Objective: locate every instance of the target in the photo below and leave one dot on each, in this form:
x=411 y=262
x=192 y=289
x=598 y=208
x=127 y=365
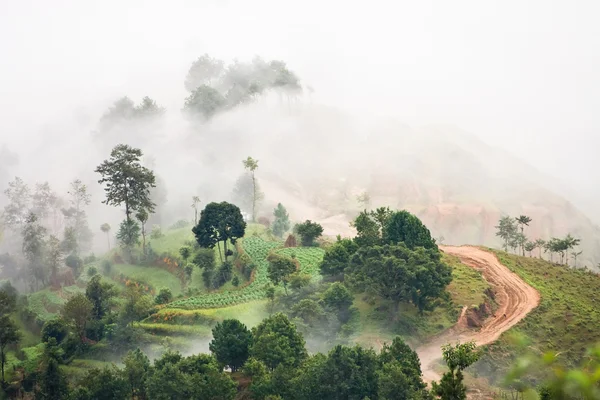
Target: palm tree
x=195 y=203
x=523 y=220
x=106 y=228
x=540 y=244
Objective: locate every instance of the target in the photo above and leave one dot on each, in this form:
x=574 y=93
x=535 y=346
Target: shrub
x=92 y=271
x=164 y=296
x=75 y=263
x=235 y=281
x=188 y=269
x=223 y=275
x=308 y=232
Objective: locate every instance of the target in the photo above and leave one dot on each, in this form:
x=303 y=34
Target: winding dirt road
x=515 y=300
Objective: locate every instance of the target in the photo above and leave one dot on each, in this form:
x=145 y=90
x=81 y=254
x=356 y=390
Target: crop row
x=309 y=258
x=258 y=250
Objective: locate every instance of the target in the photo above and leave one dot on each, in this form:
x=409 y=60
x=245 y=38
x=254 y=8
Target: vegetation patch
x=566 y=320
x=309 y=258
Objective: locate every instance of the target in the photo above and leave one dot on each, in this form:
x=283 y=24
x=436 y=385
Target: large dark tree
x=277 y=342
x=337 y=257
x=126 y=181
x=99 y=294
x=219 y=222
x=398 y=273
x=402 y=226
x=280 y=269
x=308 y=232
x=9 y=333
x=231 y=343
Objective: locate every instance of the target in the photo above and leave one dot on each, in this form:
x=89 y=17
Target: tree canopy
x=219 y=222
x=231 y=343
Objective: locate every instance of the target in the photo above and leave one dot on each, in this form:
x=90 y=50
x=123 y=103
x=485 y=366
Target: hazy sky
x=522 y=74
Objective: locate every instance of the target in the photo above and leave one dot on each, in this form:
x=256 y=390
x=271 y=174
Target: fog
x=520 y=76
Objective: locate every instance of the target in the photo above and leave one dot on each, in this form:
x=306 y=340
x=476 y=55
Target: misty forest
x=248 y=240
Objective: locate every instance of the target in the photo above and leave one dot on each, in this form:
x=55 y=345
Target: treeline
x=512 y=232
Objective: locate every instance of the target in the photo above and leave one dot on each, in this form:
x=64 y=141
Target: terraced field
x=309 y=258
x=257 y=249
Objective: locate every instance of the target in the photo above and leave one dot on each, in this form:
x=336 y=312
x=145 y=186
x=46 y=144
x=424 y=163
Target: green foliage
x=129 y=233
x=78 y=310
x=231 y=343
x=337 y=257
x=457 y=358
x=9 y=333
x=281 y=223
x=91 y=271
x=308 y=231
x=185 y=252
x=126 y=181
x=156 y=232
x=74 y=262
x=107 y=383
x=280 y=269
x=99 y=294
x=506 y=230
x=338 y=298
x=276 y=341
x=222 y=275
x=53 y=383
x=106 y=266
x=204 y=101
x=137 y=367
x=235 y=281
x=55 y=328
x=404 y=227
x=369 y=226
x=164 y=296
x=399 y=274
x=219 y=222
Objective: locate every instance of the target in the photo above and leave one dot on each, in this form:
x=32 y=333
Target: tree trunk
x=225 y=249
x=144 y=238
x=219 y=247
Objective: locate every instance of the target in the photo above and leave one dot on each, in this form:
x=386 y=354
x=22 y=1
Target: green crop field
x=309 y=257
x=157 y=277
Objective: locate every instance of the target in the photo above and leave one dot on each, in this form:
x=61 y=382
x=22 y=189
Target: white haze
x=521 y=75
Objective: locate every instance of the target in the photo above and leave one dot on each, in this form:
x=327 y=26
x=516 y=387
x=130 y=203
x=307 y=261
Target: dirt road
x=515 y=300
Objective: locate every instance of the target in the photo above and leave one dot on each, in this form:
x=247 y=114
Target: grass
x=566 y=320
x=468 y=286
x=157 y=277
x=172 y=240
x=45 y=303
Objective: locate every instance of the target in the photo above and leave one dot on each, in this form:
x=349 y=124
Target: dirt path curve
x=515 y=299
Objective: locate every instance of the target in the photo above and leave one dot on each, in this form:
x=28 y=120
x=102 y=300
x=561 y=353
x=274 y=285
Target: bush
x=235 y=281
x=55 y=328
x=92 y=271
x=223 y=275
x=75 y=263
x=308 y=232
x=164 y=296
x=188 y=269
x=106 y=267
x=156 y=232
x=182 y=223
x=204 y=258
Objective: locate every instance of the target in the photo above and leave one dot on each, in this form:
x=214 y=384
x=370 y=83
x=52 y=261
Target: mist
x=391 y=80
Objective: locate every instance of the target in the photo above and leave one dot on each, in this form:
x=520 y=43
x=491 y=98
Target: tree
x=78 y=310
x=106 y=229
x=398 y=273
x=368 y=232
x=281 y=223
x=522 y=221
x=137 y=367
x=127 y=181
x=53 y=383
x=43 y=200
x=308 y=232
x=280 y=269
x=404 y=227
x=251 y=165
x=540 y=244
x=34 y=247
x=339 y=299
x=195 y=204
x=270 y=294
x=337 y=257
x=506 y=230
x=74 y=262
x=576 y=254
x=142 y=216
x=9 y=333
x=457 y=358
x=205 y=259
x=54 y=255
x=204 y=102
x=219 y=222
x=364 y=200
x=164 y=296
x=185 y=252
x=231 y=343
x=277 y=342
x=55 y=328
x=128 y=234
x=19 y=197
x=107 y=383
x=79 y=198
x=223 y=275
x=203 y=71
x=406 y=358
x=529 y=247
x=99 y=294
x=518 y=241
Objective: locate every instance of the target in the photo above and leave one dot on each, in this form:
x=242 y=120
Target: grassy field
x=566 y=320
x=172 y=240
x=157 y=277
